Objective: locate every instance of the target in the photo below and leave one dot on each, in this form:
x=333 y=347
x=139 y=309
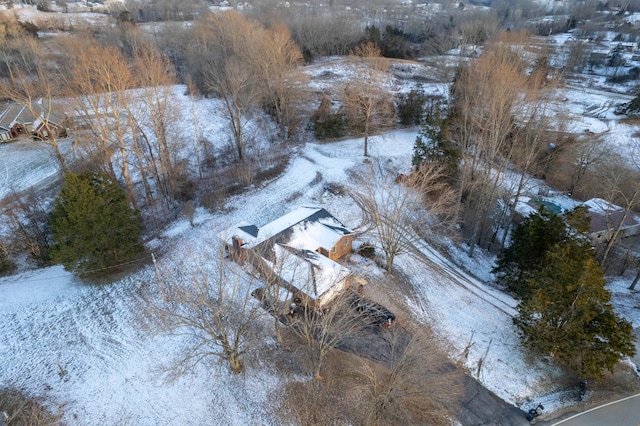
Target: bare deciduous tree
x=193 y=92
x=212 y=307
x=28 y=219
x=31 y=83
x=98 y=82
x=277 y=59
x=19 y=409
x=320 y=35
x=399 y=213
x=577 y=55
x=411 y=388
x=156 y=119
x=622 y=184
x=223 y=61
x=485 y=124
x=367 y=98
x=322 y=331
x=577 y=163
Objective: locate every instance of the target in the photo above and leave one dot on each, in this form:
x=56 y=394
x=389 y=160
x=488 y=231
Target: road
x=623 y=412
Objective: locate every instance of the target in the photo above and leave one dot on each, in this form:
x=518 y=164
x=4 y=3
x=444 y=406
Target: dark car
x=374 y=312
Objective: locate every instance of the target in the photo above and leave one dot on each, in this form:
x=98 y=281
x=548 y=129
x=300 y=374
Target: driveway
x=478 y=406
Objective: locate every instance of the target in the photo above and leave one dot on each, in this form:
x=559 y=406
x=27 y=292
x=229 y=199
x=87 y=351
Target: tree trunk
x=366 y=138
x=238 y=134
x=635 y=281
x=618 y=229
x=389 y=265
x=53 y=141
x=195 y=127
x=236 y=364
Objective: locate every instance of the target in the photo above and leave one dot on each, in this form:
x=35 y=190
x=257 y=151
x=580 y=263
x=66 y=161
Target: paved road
x=623 y=412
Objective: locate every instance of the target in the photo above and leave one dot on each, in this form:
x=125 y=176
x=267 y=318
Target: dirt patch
x=24 y=411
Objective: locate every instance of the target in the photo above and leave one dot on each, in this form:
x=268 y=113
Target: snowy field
x=82 y=348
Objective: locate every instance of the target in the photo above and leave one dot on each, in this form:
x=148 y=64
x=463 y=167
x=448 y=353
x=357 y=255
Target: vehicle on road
x=535 y=412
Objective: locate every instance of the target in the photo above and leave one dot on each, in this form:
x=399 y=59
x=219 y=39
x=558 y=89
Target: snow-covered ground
x=82 y=347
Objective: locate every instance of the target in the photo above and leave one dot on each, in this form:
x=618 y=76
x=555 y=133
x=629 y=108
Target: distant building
x=607 y=217
x=40 y=121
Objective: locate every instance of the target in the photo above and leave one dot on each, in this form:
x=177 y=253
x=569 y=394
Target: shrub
x=326 y=123
x=6 y=265
x=22 y=410
x=367 y=250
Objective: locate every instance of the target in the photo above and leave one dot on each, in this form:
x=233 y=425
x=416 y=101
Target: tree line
x=120 y=102
x=493 y=139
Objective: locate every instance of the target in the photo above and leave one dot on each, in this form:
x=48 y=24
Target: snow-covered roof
x=308 y=270
x=303 y=228
x=241 y=230
x=605 y=215
x=293 y=240
x=14 y=113
x=326 y=232
x=285 y=222
x=600 y=206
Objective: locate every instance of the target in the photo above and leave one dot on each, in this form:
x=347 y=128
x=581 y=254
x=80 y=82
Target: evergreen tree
x=569 y=314
x=432 y=146
x=411 y=107
x=93 y=226
x=632 y=107
x=530 y=242
x=565 y=310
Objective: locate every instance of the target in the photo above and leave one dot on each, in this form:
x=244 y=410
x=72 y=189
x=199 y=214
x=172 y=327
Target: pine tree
x=530 y=242
x=565 y=310
x=411 y=107
x=632 y=107
x=432 y=146
x=93 y=226
x=569 y=313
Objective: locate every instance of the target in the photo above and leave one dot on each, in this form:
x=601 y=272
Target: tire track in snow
x=58 y=347
x=297 y=184
x=431 y=257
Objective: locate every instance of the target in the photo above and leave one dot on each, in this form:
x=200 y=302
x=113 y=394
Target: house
x=606 y=217
x=16 y=119
x=628 y=46
x=42 y=121
x=5 y=134
x=300 y=248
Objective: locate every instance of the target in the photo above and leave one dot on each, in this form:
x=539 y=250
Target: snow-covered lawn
x=82 y=347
